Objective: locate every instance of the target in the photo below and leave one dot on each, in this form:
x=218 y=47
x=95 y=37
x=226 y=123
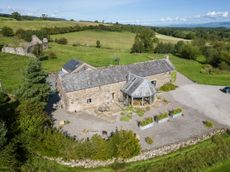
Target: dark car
x=226 y=90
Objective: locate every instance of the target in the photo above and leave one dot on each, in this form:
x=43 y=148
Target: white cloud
x=208 y=17
x=216 y=14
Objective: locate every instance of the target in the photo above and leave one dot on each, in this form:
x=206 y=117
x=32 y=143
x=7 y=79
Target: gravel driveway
x=208 y=100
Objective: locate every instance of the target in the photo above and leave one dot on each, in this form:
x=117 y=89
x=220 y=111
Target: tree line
x=212 y=34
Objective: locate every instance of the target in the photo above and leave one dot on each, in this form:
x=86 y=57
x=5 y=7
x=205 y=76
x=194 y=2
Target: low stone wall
x=143 y=156
x=17 y=51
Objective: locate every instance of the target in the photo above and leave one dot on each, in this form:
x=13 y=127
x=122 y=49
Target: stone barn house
x=93 y=89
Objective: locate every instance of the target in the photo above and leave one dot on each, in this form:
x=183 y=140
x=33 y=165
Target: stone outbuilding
x=92 y=89
x=27 y=50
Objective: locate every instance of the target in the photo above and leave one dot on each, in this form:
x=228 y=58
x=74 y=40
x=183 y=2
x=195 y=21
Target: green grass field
x=169 y=39
x=115 y=40
x=191 y=69
x=11 y=41
x=221 y=167
x=11 y=70
x=38 y=24
x=97 y=57
x=114 y=44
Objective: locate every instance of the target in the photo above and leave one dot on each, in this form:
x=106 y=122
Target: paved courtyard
x=198 y=102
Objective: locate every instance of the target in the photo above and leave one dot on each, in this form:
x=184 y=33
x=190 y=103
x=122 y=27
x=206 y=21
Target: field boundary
x=143 y=156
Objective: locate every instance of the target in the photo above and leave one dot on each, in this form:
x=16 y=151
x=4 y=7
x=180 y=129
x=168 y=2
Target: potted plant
x=146 y=123
x=163 y=117
x=176 y=113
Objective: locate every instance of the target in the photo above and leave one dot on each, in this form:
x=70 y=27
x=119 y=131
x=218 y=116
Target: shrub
x=7 y=31
x=52 y=55
x=139 y=111
x=176 y=111
x=43 y=57
x=66 y=122
x=126 y=118
x=1 y=46
x=149 y=140
x=146 y=121
x=61 y=41
x=162 y=116
x=76 y=44
x=208 y=123
x=173 y=76
x=124 y=144
x=207 y=69
x=98 y=44
x=168 y=87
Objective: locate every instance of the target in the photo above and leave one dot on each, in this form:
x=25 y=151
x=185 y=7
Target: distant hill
x=26 y=17
x=205 y=25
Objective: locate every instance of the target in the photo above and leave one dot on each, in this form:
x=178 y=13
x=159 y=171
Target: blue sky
x=146 y=12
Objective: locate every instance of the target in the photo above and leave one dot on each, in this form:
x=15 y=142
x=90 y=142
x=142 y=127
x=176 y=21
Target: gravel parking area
x=198 y=102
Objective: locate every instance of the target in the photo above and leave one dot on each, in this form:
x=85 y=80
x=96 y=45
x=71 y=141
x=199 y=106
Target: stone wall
x=18 y=51
x=27 y=50
x=143 y=156
x=106 y=94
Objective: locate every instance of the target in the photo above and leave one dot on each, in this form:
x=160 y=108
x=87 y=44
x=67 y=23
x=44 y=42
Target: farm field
x=169 y=39
x=98 y=57
x=114 y=44
x=115 y=40
x=11 y=70
x=11 y=41
x=39 y=24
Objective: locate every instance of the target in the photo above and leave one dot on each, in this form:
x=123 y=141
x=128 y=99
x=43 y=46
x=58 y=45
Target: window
x=89 y=100
x=154 y=82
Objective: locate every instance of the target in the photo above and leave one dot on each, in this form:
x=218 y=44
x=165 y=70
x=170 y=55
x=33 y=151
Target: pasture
x=11 y=71
x=39 y=24
x=169 y=39
x=114 y=45
x=115 y=40
x=98 y=57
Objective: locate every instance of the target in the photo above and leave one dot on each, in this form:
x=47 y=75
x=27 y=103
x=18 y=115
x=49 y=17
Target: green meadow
x=39 y=24
x=114 y=45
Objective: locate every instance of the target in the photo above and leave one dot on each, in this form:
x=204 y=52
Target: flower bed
x=162 y=117
x=146 y=123
x=176 y=113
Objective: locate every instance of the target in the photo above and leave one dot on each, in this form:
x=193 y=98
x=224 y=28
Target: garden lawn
x=11 y=70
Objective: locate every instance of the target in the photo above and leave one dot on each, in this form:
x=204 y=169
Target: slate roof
x=94 y=78
x=71 y=65
x=138 y=87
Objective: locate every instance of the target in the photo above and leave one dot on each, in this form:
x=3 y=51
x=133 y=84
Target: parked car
x=226 y=90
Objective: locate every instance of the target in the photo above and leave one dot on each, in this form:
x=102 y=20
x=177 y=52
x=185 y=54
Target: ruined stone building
x=94 y=88
x=27 y=50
